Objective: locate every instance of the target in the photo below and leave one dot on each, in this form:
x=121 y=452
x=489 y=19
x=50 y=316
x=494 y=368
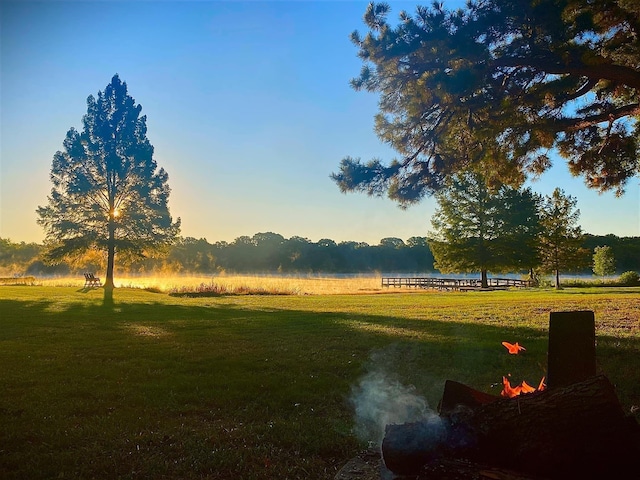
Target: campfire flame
x=510 y=391
x=513 y=348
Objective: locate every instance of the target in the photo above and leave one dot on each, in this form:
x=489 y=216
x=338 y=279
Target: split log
x=577 y=431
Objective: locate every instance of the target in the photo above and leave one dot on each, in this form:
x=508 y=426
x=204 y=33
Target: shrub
x=629 y=278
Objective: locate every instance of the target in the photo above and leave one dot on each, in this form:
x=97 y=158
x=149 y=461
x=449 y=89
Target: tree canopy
x=108 y=193
x=500 y=84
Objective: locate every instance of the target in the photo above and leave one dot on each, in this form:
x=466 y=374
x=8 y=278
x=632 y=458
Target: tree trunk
x=557 y=279
x=484 y=281
x=111 y=252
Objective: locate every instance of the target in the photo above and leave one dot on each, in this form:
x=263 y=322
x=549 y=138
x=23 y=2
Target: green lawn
x=256 y=387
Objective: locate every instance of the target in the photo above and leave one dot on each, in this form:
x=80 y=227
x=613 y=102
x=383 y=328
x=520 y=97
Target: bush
x=629 y=278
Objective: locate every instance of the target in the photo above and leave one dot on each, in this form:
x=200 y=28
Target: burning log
x=577 y=431
x=575 y=428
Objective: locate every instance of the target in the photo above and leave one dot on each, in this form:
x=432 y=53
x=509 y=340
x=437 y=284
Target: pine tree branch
x=552 y=65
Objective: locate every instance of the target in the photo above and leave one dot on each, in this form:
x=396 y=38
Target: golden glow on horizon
x=292 y=285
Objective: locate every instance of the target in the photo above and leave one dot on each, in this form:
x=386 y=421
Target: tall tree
x=561 y=237
x=500 y=84
x=108 y=193
x=478 y=229
x=604 y=262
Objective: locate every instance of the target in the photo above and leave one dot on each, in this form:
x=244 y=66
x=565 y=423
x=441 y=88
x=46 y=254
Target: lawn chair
x=91 y=281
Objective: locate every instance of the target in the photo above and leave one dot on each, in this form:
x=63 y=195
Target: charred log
x=577 y=431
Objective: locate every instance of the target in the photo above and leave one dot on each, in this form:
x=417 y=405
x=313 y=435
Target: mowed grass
x=257 y=386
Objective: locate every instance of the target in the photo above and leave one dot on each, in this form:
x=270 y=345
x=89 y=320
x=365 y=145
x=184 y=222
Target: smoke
x=380 y=400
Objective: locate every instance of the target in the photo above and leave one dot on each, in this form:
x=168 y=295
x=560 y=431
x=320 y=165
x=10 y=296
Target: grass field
x=261 y=386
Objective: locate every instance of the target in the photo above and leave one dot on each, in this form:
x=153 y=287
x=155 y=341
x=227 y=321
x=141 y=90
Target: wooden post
x=571 y=355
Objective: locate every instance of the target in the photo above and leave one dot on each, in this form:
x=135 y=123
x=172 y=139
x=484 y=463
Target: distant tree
x=327 y=243
x=356 y=257
x=392 y=242
x=420 y=253
x=478 y=229
x=499 y=84
x=417 y=242
x=108 y=193
x=561 y=237
x=193 y=255
x=604 y=262
x=295 y=251
x=269 y=252
x=324 y=256
x=38 y=267
x=242 y=254
x=268 y=240
x=16 y=257
x=391 y=254
x=626 y=250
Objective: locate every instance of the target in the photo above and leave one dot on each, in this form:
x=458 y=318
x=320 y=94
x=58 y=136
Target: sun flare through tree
x=108 y=193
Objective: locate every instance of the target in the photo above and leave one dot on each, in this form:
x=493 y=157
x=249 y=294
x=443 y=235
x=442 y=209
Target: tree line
x=272 y=253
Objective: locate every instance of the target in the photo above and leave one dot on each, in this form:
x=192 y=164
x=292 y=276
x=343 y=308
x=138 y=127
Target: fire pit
x=573 y=428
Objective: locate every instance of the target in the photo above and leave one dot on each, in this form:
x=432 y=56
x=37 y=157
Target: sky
x=248 y=107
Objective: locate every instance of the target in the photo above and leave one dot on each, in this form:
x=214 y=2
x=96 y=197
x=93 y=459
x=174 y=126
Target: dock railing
x=452 y=283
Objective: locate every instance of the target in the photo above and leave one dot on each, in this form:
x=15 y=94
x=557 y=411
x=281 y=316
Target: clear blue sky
x=248 y=107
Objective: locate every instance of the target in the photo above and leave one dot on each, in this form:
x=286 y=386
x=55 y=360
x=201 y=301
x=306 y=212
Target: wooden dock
x=461 y=284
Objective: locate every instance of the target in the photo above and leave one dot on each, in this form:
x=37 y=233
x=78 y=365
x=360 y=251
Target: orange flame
x=510 y=392
x=526 y=388
x=542 y=385
x=513 y=348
